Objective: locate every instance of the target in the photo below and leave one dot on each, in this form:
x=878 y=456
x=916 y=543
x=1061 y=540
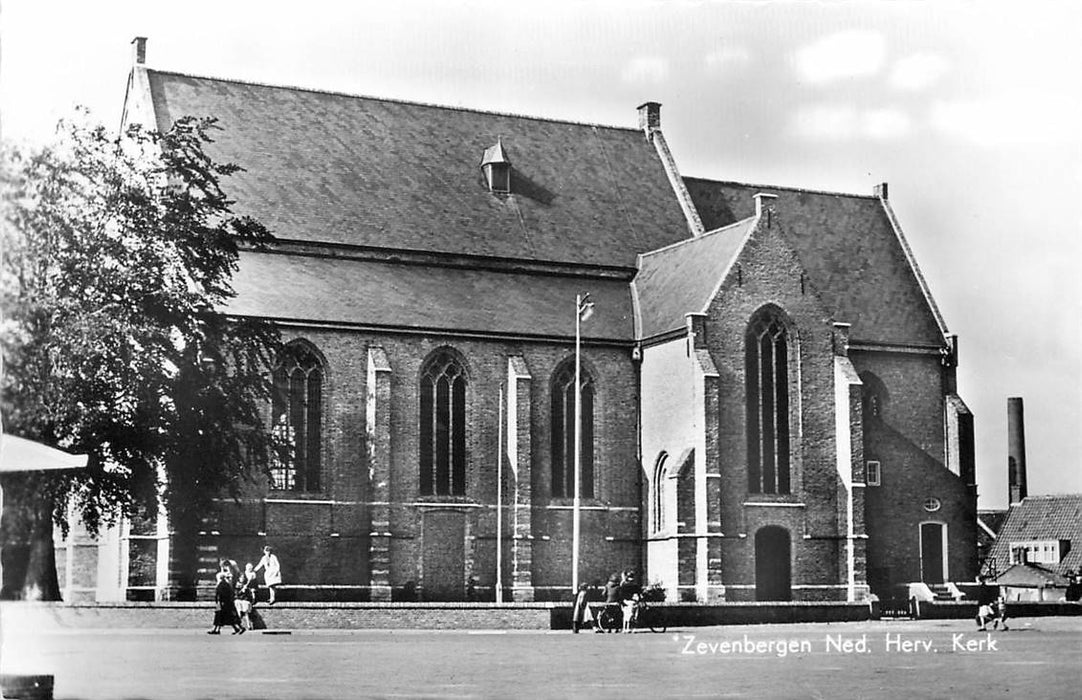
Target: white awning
x=20 y=455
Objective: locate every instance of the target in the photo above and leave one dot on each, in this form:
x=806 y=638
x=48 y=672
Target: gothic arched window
x=443 y=425
x=767 y=383
x=563 y=433
x=296 y=419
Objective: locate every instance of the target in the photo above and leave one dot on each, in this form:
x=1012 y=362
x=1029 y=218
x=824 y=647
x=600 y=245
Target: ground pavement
x=1037 y=658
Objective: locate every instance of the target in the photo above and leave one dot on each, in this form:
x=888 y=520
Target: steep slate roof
x=681 y=278
x=850 y=250
x=1043 y=518
x=357 y=170
x=399 y=295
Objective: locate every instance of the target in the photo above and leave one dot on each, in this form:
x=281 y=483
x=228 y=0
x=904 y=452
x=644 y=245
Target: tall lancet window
x=767 y=381
x=296 y=419
x=563 y=432
x=443 y=425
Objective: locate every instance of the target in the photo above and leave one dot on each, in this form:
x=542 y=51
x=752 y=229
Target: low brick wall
x=951 y=610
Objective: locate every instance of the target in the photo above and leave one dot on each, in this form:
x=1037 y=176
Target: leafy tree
x=118 y=259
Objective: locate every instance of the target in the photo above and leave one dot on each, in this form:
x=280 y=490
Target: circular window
x=932 y=504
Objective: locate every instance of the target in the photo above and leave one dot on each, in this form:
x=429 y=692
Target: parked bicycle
x=611 y=618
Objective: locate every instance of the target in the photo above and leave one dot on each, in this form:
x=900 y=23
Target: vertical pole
x=576 y=517
x=499 y=504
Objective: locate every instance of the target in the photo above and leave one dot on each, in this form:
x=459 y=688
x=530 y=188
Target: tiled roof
x=326 y=167
x=681 y=278
x=848 y=246
x=1031 y=575
x=306 y=288
x=1043 y=518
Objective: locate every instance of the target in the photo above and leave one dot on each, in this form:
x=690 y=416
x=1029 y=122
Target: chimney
x=881 y=190
x=1016 y=450
x=650 y=118
x=139 y=50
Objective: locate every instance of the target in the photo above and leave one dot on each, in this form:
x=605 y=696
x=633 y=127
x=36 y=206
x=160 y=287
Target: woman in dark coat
x=225 y=610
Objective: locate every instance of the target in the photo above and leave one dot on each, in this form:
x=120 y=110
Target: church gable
x=849 y=246
x=332 y=168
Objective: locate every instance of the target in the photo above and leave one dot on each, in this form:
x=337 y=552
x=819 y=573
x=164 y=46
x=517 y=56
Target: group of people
x=991 y=607
x=235 y=591
x=994 y=612
x=622 y=589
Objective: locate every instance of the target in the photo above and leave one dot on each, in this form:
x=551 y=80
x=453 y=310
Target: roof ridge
x=1052 y=495
x=416 y=103
x=686 y=241
x=783 y=187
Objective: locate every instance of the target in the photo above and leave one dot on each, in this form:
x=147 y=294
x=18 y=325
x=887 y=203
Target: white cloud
x=883 y=124
x=918 y=71
x=830 y=122
x=727 y=59
x=841 y=122
x=850 y=54
x=1025 y=118
x=646 y=69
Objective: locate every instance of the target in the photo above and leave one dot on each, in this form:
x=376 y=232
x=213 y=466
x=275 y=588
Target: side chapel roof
x=681 y=278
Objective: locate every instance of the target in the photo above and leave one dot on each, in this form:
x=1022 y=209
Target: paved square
x=1037 y=658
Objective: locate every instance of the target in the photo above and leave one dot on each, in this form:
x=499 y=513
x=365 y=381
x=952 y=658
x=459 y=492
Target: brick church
x=768 y=405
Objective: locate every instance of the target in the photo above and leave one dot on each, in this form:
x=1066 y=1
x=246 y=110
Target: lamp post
x=499 y=503
x=583 y=309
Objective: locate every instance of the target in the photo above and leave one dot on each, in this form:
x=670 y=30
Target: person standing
x=272 y=572
x=225 y=610
x=581 y=615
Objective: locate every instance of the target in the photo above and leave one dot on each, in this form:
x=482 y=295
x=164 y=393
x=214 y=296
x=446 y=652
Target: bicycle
x=653 y=617
x=611 y=618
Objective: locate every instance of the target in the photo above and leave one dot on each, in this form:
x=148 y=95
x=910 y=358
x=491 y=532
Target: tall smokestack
x=1016 y=449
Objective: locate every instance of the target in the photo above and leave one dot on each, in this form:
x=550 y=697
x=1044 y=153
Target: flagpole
x=499 y=504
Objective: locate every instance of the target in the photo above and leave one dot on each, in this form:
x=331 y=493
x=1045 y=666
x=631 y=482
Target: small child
x=246 y=585
x=984 y=614
x=631 y=611
x=1000 y=610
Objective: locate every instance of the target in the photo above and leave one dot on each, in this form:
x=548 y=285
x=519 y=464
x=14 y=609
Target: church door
x=443 y=561
x=772 y=564
x=931 y=553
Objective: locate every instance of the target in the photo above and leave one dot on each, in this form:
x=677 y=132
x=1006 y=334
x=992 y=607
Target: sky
x=971 y=111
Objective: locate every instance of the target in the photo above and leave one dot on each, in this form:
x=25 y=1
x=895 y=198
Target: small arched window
x=563 y=432
x=443 y=425
x=297 y=419
x=657 y=494
x=767 y=377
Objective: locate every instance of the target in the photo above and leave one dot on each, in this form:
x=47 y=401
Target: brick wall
x=324 y=537
x=907 y=439
x=768 y=273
